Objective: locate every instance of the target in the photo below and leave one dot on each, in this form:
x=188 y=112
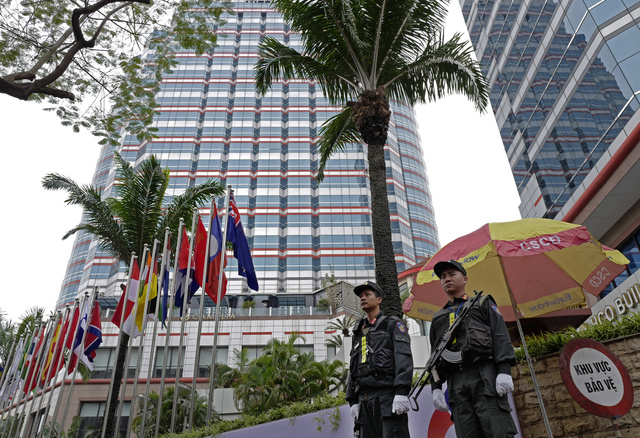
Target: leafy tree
x=362 y=52
x=124 y=223
x=182 y=413
x=283 y=375
x=70 y=53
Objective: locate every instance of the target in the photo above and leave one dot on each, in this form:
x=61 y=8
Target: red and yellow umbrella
x=545 y=264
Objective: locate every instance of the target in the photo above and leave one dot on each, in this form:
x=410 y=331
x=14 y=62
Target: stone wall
x=567 y=418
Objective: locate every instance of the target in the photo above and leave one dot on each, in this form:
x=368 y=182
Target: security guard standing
x=380 y=370
x=480 y=377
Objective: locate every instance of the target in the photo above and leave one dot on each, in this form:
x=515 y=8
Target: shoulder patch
x=495 y=309
x=402 y=327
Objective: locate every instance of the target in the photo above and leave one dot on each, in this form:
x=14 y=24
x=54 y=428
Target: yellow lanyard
x=365 y=331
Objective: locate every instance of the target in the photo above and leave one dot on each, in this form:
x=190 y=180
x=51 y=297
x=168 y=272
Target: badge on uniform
x=495 y=309
x=402 y=327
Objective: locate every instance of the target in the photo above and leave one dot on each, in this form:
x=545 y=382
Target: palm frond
x=279 y=62
x=335 y=134
x=444 y=67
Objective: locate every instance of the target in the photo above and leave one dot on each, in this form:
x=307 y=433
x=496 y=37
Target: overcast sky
x=469 y=176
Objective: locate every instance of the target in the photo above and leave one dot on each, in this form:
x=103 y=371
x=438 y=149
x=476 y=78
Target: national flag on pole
x=76 y=349
x=150 y=286
x=235 y=235
x=12 y=381
x=127 y=302
x=200 y=249
x=164 y=275
x=30 y=369
x=49 y=363
x=215 y=257
x=93 y=338
x=183 y=261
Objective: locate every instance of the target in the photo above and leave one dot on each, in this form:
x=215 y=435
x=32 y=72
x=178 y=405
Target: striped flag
x=127 y=302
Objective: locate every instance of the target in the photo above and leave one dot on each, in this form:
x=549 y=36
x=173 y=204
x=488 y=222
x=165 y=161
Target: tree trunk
x=371 y=115
x=110 y=420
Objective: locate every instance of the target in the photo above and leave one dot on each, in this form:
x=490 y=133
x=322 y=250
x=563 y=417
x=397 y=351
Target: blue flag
x=235 y=235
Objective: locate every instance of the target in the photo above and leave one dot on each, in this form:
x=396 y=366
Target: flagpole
x=7 y=385
x=165 y=256
x=5 y=374
x=200 y=315
x=125 y=297
x=48 y=376
x=33 y=377
x=64 y=374
x=15 y=386
x=185 y=300
x=128 y=355
x=148 y=286
x=58 y=364
x=172 y=291
x=84 y=335
x=18 y=387
x=214 y=348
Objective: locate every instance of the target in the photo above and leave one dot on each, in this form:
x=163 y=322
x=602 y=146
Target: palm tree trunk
x=386 y=270
x=110 y=420
x=371 y=115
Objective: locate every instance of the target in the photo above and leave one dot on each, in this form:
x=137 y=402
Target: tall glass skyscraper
x=565 y=91
x=213 y=124
x=564 y=85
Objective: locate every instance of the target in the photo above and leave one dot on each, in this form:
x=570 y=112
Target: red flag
x=31 y=380
x=200 y=250
x=130 y=298
x=213 y=279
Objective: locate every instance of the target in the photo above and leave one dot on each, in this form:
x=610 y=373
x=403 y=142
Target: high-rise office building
x=213 y=124
x=565 y=92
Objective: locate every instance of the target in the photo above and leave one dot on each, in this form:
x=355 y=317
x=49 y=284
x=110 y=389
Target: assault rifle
x=440 y=353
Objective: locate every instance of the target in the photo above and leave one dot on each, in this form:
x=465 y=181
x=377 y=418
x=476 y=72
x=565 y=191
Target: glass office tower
x=565 y=92
x=213 y=124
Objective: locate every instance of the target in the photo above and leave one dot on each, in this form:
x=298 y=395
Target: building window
x=172 y=362
x=105 y=361
x=92 y=413
x=204 y=366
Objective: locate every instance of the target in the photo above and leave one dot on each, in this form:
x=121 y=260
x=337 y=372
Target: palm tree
x=343 y=325
x=361 y=52
x=134 y=217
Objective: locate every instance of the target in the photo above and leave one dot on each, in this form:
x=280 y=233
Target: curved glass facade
x=213 y=124
x=564 y=84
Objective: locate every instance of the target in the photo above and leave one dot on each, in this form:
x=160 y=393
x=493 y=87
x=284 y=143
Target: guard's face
x=369 y=300
x=453 y=282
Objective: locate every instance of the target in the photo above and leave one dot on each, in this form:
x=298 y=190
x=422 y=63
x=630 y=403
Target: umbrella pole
x=533 y=374
x=526 y=353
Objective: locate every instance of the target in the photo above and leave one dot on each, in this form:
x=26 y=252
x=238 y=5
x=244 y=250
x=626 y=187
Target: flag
x=49 y=363
x=235 y=235
x=30 y=368
x=164 y=310
x=200 y=249
x=12 y=381
x=127 y=302
x=92 y=340
x=215 y=257
x=183 y=261
x=81 y=321
x=148 y=285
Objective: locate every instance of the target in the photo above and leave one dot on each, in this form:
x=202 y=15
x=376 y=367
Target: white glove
x=355 y=411
x=400 y=404
x=504 y=384
x=438 y=400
